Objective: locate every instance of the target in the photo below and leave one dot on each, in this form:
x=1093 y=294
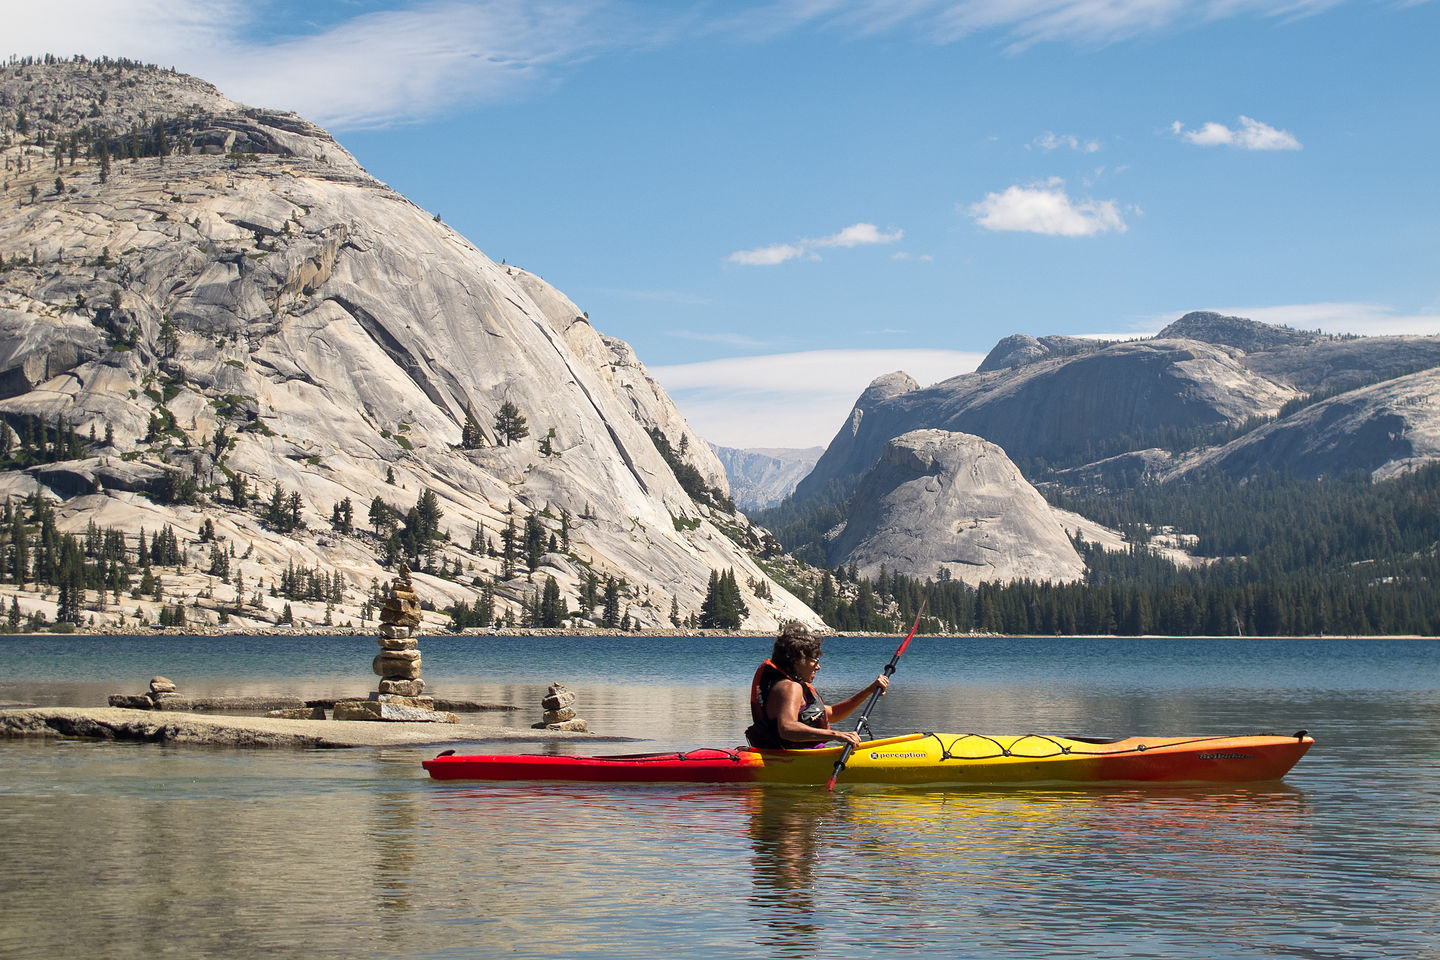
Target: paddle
x=863 y=722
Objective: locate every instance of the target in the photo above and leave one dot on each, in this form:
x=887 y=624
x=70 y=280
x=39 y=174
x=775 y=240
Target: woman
x=784 y=703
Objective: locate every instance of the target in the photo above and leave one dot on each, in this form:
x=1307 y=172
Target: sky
x=776 y=201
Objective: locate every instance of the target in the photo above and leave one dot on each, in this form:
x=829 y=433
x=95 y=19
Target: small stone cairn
x=401 y=693
x=559 y=707
x=162 y=694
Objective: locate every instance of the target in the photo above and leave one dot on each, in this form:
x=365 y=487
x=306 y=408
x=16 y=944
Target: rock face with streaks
x=243 y=311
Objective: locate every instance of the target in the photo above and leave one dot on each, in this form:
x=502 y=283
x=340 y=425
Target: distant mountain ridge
x=1133 y=394
x=762 y=477
x=1209 y=393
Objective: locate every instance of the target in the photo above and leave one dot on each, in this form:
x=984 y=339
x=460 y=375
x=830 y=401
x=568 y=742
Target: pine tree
x=510 y=423
x=508 y=537
x=723 y=608
x=427 y=517
x=19 y=549
x=611 y=617
x=553 y=611
x=534 y=541
x=471 y=436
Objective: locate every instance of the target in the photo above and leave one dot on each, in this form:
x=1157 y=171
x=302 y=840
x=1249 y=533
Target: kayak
x=917 y=759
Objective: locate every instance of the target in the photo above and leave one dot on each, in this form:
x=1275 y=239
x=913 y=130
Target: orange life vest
x=764 y=733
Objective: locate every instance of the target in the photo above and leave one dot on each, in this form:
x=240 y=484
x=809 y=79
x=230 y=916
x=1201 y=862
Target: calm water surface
x=134 y=850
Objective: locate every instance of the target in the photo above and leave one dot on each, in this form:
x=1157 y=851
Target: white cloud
x=406 y=64
x=1046 y=208
x=768 y=256
x=176 y=33
x=856 y=235
x=792 y=399
x=1048 y=141
x=1251 y=135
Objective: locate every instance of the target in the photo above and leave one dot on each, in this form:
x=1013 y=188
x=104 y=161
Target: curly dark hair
x=794 y=645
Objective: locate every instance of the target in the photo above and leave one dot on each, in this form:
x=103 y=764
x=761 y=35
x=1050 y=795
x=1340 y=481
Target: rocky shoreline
x=149 y=726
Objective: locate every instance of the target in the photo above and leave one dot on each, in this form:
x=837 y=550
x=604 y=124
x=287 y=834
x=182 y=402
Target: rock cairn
x=559 y=707
x=401 y=694
x=162 y=695
x=398 y=663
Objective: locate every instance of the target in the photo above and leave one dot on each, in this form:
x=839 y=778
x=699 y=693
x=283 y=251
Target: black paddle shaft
x=864 y=722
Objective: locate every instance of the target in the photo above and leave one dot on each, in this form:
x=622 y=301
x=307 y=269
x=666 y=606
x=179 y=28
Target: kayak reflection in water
x=784 y=704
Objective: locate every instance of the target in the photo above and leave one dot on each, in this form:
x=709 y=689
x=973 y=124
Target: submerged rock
x=379 y=710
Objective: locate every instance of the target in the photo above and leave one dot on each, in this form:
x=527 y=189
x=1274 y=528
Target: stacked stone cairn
x=401 y=693
x=162 y=694
x=559 y=707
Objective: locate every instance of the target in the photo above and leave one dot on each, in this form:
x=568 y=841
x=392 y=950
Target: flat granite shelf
x=161 y=726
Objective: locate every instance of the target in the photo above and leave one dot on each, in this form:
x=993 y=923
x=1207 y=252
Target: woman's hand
x=847 y=736
x=883 y=682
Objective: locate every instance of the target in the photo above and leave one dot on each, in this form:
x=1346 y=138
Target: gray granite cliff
x=939 y=504
x=242 y=300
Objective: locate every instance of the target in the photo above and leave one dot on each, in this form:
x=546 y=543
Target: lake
x=141 y=850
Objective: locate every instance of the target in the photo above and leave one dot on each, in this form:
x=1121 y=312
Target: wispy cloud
x=1048 y=209
x=1048 y=141
x=432 y=57
x=1019 y=23
x=856 y=235
x=772 y=255
x=1250 y=135
x=165 y=32
x=371 y=70
x=792 y=399
x=412 y=63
